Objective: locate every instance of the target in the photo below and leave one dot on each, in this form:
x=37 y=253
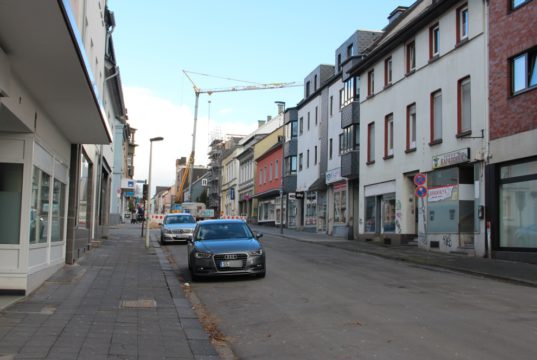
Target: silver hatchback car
x=177 y=228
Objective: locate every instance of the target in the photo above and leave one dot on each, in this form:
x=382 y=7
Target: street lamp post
x=148 y=210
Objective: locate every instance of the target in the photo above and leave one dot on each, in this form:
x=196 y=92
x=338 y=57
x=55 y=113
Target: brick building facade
x=511 y=176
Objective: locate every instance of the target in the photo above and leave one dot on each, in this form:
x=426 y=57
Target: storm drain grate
x=138 y=304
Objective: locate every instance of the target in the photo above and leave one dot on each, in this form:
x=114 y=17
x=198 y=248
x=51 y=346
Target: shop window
x=10 y=198
x=83 y=193
x=40 y=207
x=311 y=209
x=370 y=214
x=340 y=206
x=388 y=213
x=447 y=211
x=518 y=205
x=58 y=211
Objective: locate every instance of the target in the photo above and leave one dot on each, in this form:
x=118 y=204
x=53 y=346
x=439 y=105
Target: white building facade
x=49 y=106
x=230 y=183
x=423 y=114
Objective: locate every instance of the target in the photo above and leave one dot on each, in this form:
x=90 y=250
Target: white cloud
x=153 y=116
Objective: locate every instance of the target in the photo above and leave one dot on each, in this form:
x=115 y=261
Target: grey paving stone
x=202 y=348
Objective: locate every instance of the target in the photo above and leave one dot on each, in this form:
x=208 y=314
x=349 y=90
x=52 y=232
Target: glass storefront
x=266 y=211
x=450 y=203
x=340 y=205
x=518 y=206
x=380 y=213
x=291 y=202
x=310 y=215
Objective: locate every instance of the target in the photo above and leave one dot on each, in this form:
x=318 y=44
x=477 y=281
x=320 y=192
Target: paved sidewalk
x=121 y=301
x=512 y=271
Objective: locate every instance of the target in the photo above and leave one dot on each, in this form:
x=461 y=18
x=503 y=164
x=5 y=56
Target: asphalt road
x=319 y=302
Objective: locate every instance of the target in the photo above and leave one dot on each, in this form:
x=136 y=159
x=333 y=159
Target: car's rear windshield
x=179 y=219
x=219 y=231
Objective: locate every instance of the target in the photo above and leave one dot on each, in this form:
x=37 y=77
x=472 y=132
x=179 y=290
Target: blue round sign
x=421 y=191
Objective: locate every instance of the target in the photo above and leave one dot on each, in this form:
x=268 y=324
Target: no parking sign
x=420 y=179
x=421 y=191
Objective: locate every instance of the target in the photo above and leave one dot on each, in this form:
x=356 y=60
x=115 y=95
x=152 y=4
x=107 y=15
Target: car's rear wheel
x=162 y=241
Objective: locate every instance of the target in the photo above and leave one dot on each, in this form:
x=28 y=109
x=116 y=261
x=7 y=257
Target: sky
x=248 y=40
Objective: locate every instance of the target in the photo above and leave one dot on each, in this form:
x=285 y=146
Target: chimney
x=281 y=106
x=269 y=118
x=260 y=123
x=396 y=13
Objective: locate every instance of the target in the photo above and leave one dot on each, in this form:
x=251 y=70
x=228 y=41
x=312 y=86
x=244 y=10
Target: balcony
x=350 y=164
x=350 y=114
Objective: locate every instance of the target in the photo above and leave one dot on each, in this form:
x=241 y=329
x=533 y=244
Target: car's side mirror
x=258 y=235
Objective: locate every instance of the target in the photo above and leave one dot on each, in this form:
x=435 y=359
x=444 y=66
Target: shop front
x=292 y=210
x=337 y=204
x=512 y=209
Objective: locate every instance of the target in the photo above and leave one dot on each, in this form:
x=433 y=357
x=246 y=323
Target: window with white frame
x=463 y=25
x=350 y=92
x=410 y=57
x=464 y=106
x=307 y=159
x=276 y=169
x=436 y=116
x=411 y=127
x=315 y=156
x=371 y=142
x=388 y=71
x=524 y=71
x=371 y=83
x=434 y=41
x=388 y=135
x=300 y=160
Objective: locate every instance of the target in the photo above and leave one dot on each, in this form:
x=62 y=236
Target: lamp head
x=159 y=138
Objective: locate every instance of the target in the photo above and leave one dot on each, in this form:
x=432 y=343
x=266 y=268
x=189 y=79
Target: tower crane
x=197 y=91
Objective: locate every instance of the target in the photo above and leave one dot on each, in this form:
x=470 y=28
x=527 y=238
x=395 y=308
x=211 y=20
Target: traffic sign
x=421 y=191
x=420 y=179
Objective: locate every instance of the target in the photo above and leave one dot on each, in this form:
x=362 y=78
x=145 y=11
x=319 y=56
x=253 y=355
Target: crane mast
x=189 y=170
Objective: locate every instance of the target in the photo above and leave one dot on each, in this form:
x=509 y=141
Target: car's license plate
x=231 y=263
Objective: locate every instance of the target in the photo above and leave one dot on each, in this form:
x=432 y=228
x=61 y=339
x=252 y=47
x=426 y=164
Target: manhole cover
x=138 y=304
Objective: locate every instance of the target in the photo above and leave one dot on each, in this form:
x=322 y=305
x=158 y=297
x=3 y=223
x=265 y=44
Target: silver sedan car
x=177 y=227
x=223 y=248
